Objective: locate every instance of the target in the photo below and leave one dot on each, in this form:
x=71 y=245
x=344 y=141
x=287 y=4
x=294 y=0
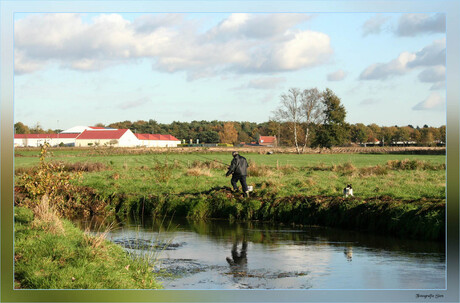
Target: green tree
x=359 y=133
x=334 y=131
x=312 y=112
x=21 y=128
x=209 y=136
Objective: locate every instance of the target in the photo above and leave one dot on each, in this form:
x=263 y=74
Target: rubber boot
x=246 y=194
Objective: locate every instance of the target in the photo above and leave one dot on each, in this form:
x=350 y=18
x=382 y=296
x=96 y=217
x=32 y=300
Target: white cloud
x=383 y=71
x=433 y=74
x=337 y=75
x=433 y=102
x=431 y=55
x=374 y=25
x=242 y=43
x=414 y=24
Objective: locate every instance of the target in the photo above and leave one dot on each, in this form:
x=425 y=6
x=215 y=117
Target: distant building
x=80 y=129
x=268 y=141
x=35 y=140
x=157 y=140
x=115 y=137
x=84 y=136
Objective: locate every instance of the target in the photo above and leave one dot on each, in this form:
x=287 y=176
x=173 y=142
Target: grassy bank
x=51 y=253
x=397 y=194
x=418 y=219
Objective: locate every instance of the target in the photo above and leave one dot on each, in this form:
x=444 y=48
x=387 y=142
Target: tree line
x=304 y=118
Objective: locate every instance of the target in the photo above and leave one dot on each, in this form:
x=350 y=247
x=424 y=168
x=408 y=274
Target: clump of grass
x=163 y=171
x=97 y=238
x=407 y=164
x=287 y=169
x=206 y=164
x=197 y=171
x=46 y=217
x=83 y=166
x=259 y=170
x=346 y=169
x=378 y=170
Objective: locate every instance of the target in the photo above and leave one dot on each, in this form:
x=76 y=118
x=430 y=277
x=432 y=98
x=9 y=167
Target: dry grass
x=207 y=164
x=347 y=168
x=259 y=170
x=46 y=217
x=98 y=235
x=197 y=171
x=373 y=170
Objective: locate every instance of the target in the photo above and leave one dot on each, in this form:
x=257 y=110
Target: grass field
x=398 y=176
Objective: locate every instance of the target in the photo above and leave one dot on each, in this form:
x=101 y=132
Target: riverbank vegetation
x=52 y=253
x=289 y=188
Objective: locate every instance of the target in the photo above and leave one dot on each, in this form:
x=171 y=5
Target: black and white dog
x=348 y=191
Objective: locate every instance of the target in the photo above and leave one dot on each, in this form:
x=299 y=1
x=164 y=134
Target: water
x=223 y=255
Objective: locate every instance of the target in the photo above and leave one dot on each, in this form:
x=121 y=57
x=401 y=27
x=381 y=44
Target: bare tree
x=290 y=111
x=311 y=110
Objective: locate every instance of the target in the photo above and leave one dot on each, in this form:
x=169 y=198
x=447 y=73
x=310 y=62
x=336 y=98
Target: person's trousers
x=242 y=179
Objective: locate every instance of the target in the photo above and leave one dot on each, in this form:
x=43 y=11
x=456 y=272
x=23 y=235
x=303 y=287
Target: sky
x=84 y=69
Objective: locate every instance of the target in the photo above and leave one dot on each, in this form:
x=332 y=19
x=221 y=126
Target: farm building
x=34 y=140
x=84 y=136
x=115 y=137
x=156 y=140
x=80 y=129
x=268 y=141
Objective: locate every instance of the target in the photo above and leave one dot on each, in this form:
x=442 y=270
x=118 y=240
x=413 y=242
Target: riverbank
x=421 y=219
x=51 y=253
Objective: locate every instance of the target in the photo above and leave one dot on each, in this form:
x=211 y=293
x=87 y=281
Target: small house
x=268 y=141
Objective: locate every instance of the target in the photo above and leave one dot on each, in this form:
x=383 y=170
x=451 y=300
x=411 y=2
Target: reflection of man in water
x=348 y=252
x=238 y=260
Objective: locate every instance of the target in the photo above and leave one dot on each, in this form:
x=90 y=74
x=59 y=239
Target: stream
x=218 y=254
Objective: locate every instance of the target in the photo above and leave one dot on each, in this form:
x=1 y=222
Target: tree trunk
x=295 y=138
x=306 y=139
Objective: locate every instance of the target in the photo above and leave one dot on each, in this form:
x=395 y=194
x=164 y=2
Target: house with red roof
x=84 y=136
x=157 y=140
x=107 y=137
x=268 y=141
x=35 y=140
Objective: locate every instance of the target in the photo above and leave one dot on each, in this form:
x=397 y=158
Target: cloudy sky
x=83 y=69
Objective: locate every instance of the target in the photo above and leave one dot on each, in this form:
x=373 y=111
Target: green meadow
x=400 y=176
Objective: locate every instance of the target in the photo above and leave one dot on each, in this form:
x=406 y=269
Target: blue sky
x=82 y=69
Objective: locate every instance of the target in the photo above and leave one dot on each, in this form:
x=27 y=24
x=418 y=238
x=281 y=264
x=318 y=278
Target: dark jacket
x=238 y=166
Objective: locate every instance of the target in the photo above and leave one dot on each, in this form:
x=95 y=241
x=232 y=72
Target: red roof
x=267 y=139
x=156 y=137
x=46 y=136
x=96 y=127
x=102 y=134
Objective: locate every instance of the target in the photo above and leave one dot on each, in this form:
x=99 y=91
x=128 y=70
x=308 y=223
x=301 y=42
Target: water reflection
x=282 y=257
x=348 y=252
x=239 y=260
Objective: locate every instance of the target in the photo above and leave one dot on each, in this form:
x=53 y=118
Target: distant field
x=283 y=174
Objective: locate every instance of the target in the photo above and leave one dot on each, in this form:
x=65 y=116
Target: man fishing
x=238 y=169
